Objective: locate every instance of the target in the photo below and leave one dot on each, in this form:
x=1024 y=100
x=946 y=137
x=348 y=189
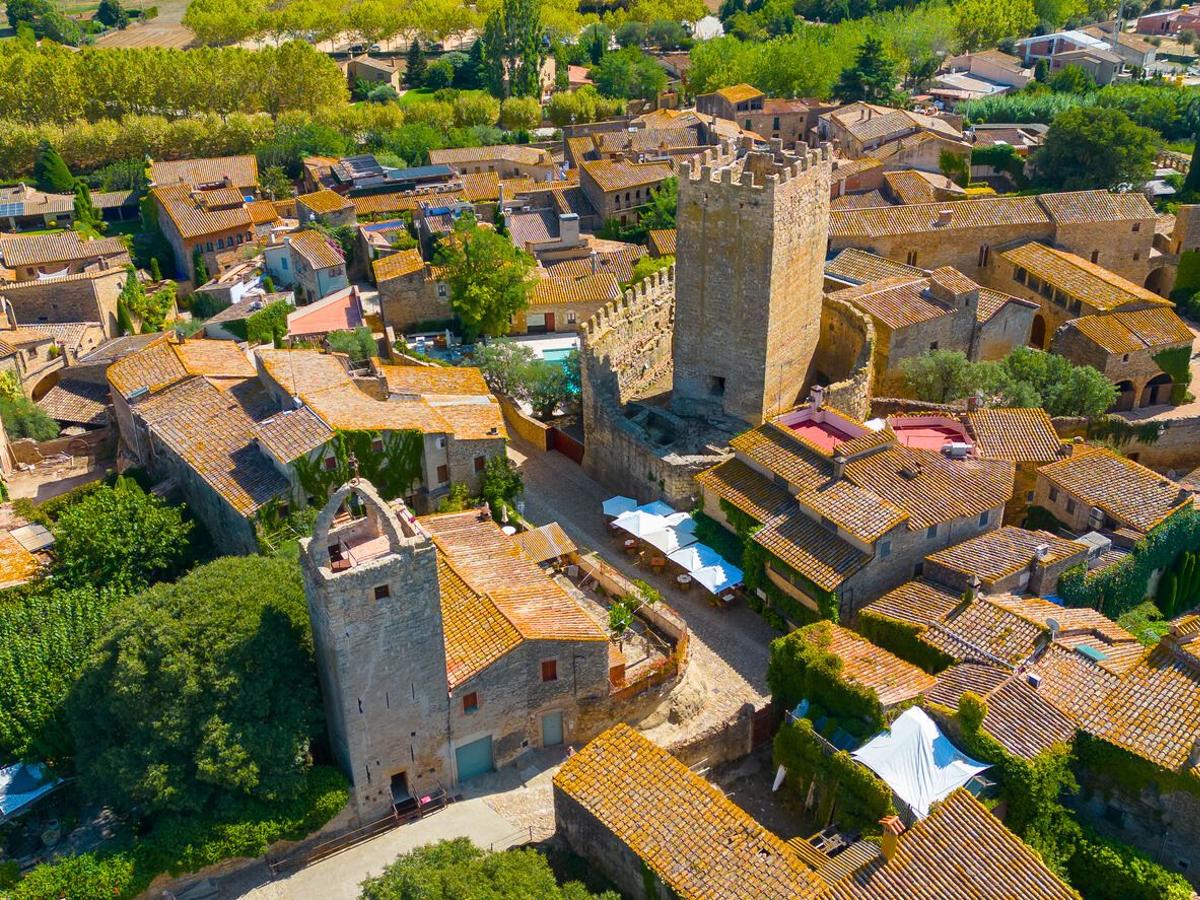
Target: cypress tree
x=1166 y=598
x=1191 y=184
x=155 y=270
x=199 y=268
x=88 y=220
x=124 y=320
x=414 y=74
x=50 y=173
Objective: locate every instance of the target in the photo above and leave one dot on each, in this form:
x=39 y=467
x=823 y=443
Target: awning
x=21 y=785
x=639 y=523
x=917 y=761
x=718 y=578
x=618 y=505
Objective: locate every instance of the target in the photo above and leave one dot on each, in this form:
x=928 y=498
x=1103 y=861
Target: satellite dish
x=1053 y=625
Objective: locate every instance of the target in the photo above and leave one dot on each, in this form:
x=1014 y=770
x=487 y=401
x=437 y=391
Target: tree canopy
x=984 y=23
x=489 y=278
x=1095 y=148
x=629 y=74
x=873 y=76
x=50 y=173
x=201 y=691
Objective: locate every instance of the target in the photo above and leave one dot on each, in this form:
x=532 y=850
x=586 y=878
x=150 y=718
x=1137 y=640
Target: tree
x=112 y=14
x=275 y=183
x=155 y=269
x=984 y=23
x=1041 y=71
x=439 y=74
x=505 y=366
x=358 y=344
x=457 y=868
x=201 y=692
x=414 y=73
x=488 y=278
x=500 y=482
x=939 y=376
x=1191 y=183
x=631 y=34
x=475 y=109
x=1072 y=79
x=119 y=536
x=199 y=268
x=50 y=173
x=520 y=113
x=648 y=265
x=1095 y=147
x=629 y=73
x=513 y=49
x=25 y=419
x=549 y=388
x=89 y=221
x=660 y=211
x=667 y=34
x=872 y=77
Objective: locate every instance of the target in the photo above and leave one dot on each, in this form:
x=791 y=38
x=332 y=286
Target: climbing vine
x=802 y=667
x=1177 y=362
x=1118 y=432
x=903 y=639
x=393 y=468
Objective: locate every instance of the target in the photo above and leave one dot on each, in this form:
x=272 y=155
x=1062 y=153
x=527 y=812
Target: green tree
x=1041 y=71
x=124 y=319
x=88 y=220
x=873 y=76
x=155 y=269
x=1191 y=184
x=549 y=388
x=984 y=23
x=648 y=265
x=202 y=692
x=275 y=183
x=414 y=74
x=513 y=49
x=631 y=34
x=25 y=419
x=628 y=74
x=1072 y=79
x=457 y=868
x=505 y=365
x=119 y=536
x=358 y=344
x=50 y=173
x=939 y=376
x=112 y=14
x=659 y=213
x=500 y=482
x=667 y=34
x=199 y=268
x=489 y=278
x=520 y=113
x=1095 y=148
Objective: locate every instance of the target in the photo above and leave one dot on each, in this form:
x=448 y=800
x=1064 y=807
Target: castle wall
x=842 y=360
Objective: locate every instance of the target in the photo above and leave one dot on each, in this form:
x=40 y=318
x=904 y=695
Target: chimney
x=944 y=217
x=1194 y=756
x=892 y=829
x=568 y=228
x=839 y=467
x=593 y=257
x=815 y=398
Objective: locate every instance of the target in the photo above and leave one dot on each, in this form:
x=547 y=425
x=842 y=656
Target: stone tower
x=753 y=227
x=375 y=605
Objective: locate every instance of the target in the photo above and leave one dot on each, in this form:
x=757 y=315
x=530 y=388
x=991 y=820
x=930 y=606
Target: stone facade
x=750 y=271
x=1139 y=379
x=843 y=358
x=413 y=298
x=1004 y=331
x=89 y=297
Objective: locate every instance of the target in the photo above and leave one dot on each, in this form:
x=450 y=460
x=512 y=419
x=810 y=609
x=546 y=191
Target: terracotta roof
x=210 y=431
x=892 y=679
x=397 y=265
x=620 y=175
x=551 y=291
x=618 y=263
x=317 y=250
x=815 y=552
x=17 y=565
x=896 y=302
x=262 y=212
x=168 y=360
x=738 y=484
x=848 y=168
x=65 y=246
x=399 y=201
x=861 y=267
x=910 y=186
x=242 y=171
x=1072 y=683
x=324 y=201
x=1015 y=434
x=869 y=122
x=738 y=93
x=493 y=564
x=860 y=200
x=978 y=678
x=698 y=842
x=433 y=379
x=76 y=401
x=997 y=554
x=474 y=631
x=1128 y=332
x=193 y=218
x=918 y=602
x=662 y=241
x=545 y=543
x=1127 y=491
x=292 y=433
x=1097 y=287
x=986 y=632
x=517 y=153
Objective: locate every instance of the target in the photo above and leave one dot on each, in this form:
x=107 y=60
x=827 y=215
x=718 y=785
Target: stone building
x=87 y=297
x=443 y=650
x=619 y=188
x=309 y=264
x=325 y=206
x=410 y=291
x=895 y=136
x=42 y=256
x=751 y=109
x=563 y=304
x=506 y=160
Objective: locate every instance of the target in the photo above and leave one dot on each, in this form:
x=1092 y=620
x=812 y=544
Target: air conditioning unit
x=956 y=449
x=1095 y=518
x=1034 y=679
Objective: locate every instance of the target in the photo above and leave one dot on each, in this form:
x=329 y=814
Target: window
x=1029 y=495
x=885 y=549
x=443 y=474
x=1053 y=495
x=985 y=254
x=1019 y=275
x=471 y=703
x=240 y=238
x=1125 y=358
x=442 y=291
x=911 y=258
x=918 y=569
x=1070 y=507
x=1095 y=256
x=931 y=532
x=330 y=463
x=220 y=243
x=748 y=127
x=984 y=516
x=377 y=445
x=570 y=317
x=208 y=246
x=480 y=462
x=716 y=385
x=382 y=592
x=1137 y=226
x=1035 y=283
x=933 y=345
x=283 y=263
x=1136 y=255
x=775 y=123
x=549 y=670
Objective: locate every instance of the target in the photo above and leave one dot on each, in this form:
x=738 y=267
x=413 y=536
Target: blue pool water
x=558 y=356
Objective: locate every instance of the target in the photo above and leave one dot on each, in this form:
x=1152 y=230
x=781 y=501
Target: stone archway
x=1126 y=397
x=1157 y=390
x=1037 y=332
x=1160 y=280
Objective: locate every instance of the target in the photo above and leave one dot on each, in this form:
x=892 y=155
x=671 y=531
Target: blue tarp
x=21 y=784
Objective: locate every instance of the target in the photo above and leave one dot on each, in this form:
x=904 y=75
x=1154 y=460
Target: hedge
x=1101 y=869
x=904 y=640
x=801 y=667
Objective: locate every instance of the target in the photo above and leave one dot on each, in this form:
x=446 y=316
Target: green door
x=474 y=758
x=552 y=729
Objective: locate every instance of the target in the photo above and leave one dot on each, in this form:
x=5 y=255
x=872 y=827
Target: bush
x=25 y=419
x=270 y=324
x=801 y=667
x=902 y=639
x=1101 y=869
x=358 y=344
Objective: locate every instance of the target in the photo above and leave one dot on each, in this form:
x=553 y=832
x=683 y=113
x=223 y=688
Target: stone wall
x=842 y=360
x=1175 y=453
x=525 y=427
x=79 y=298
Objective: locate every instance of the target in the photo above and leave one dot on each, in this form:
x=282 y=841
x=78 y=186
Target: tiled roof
x=291 y=434
x=193 y=218
x=892 y=679
x=910 y=186
x=1015 y=434
x=168 y=360
x=853 y=508
x=317 y=249
x=1086 y=281
x=619 y=175
x=553 y=291
x=815 y=552
x=242 y=171
x=662 y=241
x=860 y=200
x=397 y=265
x=76 y=401
x=339 y=311
x=493 y=564
x=1155 y=329
x=978 y=678
x=961 y=851
x=997 y=554
x=738 y=93
x=617 y=262
x=699 y=843
x=262 y=212
x=861 y=267
x=896 y=302
x=324 y=201
x=918 y=602
x=1022 y=720
x=433 y=379
x=986 y=632
x=400 y=201
x=474 y=631
x=518 y=153
x=1071 y=682
x=738 y=484
x=848 y=168
x=211 y=432
x=119 y=347
x=535 y=226
x=1086 y=207
x=1127 y=491
x=545 y=543
x=17 y=565
x=66 y=246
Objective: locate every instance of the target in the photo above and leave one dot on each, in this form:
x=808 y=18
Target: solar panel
x=12 y=209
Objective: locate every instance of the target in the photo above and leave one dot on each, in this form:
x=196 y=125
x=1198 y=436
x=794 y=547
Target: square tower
x=753 y=228
x=375 y=604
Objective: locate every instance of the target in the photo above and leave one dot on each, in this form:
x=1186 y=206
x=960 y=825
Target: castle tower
x=375 y=605
x=753 y=228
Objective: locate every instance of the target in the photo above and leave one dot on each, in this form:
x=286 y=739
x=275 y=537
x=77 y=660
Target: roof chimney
x=892 y=829
x=839 y=467
x=944 y=217
x=816 y=396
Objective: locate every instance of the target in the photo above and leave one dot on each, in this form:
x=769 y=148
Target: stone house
x=211 y=222
x=847 y=512
x=238 y=172
x=308 y=263
x=42 y=256
x=1124 y=346
x=410 y=291
x=618 y=188
x=1118 y=229
x=326 y=206
x=868 y=129
x=86 y=297
x=856 y=176
x=506 y=160
x=563 y=304
x=751 y=109
x=1096 y=489
x=24 y=207
x=497 y=657
x=375 y=72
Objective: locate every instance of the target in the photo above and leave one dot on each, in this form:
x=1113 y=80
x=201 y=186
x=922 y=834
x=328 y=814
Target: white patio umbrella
x=673 y=537
x=658 y=508
x=718 y=578
x=618 y=505
x=689 y=558
x=639 y=523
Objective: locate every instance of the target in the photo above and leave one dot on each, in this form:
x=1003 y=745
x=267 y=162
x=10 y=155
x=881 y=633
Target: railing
x=528 y=835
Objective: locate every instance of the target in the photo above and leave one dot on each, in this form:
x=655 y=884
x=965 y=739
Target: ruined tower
x=374 y=600
x=753 y=228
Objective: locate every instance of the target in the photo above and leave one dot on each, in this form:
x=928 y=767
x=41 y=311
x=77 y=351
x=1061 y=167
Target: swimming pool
x=558 y=355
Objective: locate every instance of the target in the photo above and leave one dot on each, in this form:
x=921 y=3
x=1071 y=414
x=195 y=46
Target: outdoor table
x=631 y=546
x=658 y=563
x=684 y=582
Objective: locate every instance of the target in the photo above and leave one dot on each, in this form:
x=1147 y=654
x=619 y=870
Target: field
x=154 y=33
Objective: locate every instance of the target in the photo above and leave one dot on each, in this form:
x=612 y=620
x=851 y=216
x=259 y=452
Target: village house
x=847 y=512
x=901 y=139
x=363 y=174
x=410 y=291
x=1169 y=21
x=506 y=160
x=656 y=828
x=311 y=324
x=36 y=355
x=209 y=223
x=563 y=304
x=662 y=241
x=325 y=206
x=984 y=73
x=498 y=657
x=238 y=172
x=617 y=189
x=25 y=207
x=375 y=72
x=751 y=109
x=42 y=256
x=87 y=297
x=614 y=258
x=308 y=263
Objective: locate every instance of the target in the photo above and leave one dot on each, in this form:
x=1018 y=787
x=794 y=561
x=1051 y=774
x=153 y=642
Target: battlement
x=652 y=289
x=753 y=165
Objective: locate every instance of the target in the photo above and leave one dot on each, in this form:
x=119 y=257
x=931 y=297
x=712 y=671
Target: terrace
x=930 y=432
x=821 y=428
